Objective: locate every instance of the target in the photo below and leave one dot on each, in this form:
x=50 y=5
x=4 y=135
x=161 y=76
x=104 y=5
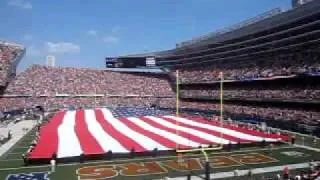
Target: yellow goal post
x=201 y=149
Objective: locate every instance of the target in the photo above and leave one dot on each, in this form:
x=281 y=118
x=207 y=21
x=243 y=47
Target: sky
x=81 y=33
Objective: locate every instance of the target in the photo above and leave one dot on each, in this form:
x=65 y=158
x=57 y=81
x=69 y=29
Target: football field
x=11 y=163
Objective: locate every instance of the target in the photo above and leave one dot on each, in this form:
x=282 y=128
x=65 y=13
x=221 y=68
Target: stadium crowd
x=8 y=54
x=272 y=113
x=313 y=173
x=9 y=104
x=299 y=116
x=253 y=69
x=42 y=80
x=59 y=87
x=289 y=94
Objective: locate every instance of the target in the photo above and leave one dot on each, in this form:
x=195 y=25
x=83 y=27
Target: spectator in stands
x=260 y=94
x=248 y=70
x=8 y=54
x=41 y=80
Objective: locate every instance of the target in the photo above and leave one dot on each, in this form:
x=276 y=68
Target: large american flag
x=71 y=133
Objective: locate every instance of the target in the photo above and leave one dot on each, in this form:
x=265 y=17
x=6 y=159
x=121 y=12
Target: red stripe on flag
x=239 y=129
x=88 y=143
x=181 y=133
x=47 y=144
x=160 y=139
x=208 y=131
x=124 y=140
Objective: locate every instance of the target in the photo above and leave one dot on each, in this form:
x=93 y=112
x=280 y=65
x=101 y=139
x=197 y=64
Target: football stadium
x=242 y=102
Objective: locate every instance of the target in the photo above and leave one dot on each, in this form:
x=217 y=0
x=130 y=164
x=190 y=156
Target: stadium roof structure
x=281 y=33
x=240 y=25
x=156 y=53
x=11 y=43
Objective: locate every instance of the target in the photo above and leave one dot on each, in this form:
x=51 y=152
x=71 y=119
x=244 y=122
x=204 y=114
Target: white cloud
x=23 y=4
x=110 y=39
x=35 y=52
x=51 y=48
x=92 y=32
x=62 y=47
x=115 y=29
x=27 y=37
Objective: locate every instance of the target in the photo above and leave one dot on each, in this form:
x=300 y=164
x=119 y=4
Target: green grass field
x=11 y=162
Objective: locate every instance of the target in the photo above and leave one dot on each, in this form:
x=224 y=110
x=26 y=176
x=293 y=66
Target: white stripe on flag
x=194 y=132
x=144 y=141
x=221 y=129
x=106 y=141
x=173 y=137
x=68 y=144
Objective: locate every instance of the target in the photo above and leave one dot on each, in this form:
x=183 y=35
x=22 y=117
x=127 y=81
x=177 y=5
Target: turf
x=11 y=162
x=68 y=171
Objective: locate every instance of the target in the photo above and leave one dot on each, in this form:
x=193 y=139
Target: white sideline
x=245 y=172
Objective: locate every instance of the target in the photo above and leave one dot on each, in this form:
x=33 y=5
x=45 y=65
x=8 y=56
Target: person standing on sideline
x=53 y=165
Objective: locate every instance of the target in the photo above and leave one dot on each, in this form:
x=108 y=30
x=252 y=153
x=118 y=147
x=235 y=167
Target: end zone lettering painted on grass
x=253 y=158
x=147 y=168
x=222 y=161
x=186 y=165
x=163 y=167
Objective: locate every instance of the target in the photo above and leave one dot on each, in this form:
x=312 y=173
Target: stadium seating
x=8 y=54
x=41 y=80
x=40 y=85
x=65 y=87
x=288 y=66
x=249 y=70
x=284 y=94
x=273 y=113
x=8 y=104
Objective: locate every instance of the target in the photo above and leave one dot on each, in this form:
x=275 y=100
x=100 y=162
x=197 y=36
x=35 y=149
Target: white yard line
x=16 y=153
x=21 y=147
x=11 y=160
x=307 y=147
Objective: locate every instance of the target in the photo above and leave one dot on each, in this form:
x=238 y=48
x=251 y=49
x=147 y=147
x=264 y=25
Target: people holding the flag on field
x=25 y=159
x=293 y=139
x=53 y=165
x=9 y=134
x=286 y=172
x=236 y=173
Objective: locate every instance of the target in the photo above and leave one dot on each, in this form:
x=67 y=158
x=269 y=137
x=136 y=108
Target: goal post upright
x=202 y=149
x=177 y=93
x=177 y=104
x=221 y=103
